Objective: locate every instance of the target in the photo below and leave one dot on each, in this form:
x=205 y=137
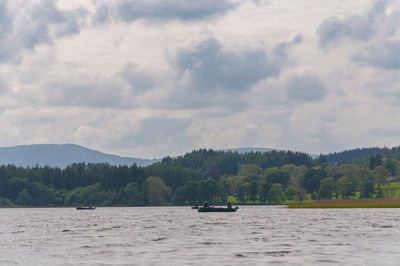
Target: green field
x=394 y=185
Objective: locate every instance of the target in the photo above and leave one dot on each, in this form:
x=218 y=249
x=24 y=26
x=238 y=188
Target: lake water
x=180 y=236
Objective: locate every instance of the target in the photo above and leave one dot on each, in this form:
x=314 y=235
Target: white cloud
x=152 y=78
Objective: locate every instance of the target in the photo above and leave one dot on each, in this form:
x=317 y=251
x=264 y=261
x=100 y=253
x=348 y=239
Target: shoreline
x=351 y=203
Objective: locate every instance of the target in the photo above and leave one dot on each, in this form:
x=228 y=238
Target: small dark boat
x=217 y=209
x=194 y=207
x=86 y=208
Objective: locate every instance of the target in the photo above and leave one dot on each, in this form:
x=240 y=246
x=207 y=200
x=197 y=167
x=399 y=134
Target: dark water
x=181 y=236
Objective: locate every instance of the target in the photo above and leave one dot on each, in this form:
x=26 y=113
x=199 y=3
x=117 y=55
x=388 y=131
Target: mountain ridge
x=62 y=155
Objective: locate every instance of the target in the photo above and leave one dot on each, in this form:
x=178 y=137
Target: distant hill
x=362 y=155
x=56 y=155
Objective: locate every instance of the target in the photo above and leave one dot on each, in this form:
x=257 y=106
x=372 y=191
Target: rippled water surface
x=181 y=236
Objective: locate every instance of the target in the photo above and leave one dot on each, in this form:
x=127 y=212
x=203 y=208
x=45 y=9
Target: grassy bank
x=356 y=203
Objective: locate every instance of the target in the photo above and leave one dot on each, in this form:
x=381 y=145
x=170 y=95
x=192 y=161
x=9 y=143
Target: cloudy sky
x=149 y=78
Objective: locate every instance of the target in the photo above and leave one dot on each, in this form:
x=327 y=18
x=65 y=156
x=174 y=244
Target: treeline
x=276 y=185
x=361 y=155
x=271 y=177
x=216 y=163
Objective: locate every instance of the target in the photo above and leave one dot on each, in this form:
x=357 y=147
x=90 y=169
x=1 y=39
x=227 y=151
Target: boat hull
x=85 y=208
x=216 y=209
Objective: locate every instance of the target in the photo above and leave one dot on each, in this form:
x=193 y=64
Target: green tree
x=41 y=194
x=132 y=196
x=278 y=176
x=112 y=198
x=375 y=161
x=300 y=193
x=191 y=189
x=381 y=175
x=253 y=188
x=16 y=185
x=250 y=170
x=275 y=194
x=265 y=187
x=224 y=189
x=354 y=172
x=208 y=189
x=179 y=196
x=74 y=197
x=367 y=189
x=296 y=174
x=242 y=191
x=24 y=198
x=346 y=187
x=156 y=191
x=290 y=193
x=313 y=178
x=326 y=188
x=392 y=165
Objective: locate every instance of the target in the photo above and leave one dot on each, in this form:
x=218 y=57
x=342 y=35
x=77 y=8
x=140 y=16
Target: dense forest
x=273 y=177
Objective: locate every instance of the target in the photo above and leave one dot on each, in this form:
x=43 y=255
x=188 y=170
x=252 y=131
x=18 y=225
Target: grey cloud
x=212 y=67
x=360 y=27
x=46 y=14
x=331 y=30
x=385 y=132
x=5 y=20
x=187 y=99
x=261 y=2
x=306 y=87
x=102 y=15
x=281 y=49
x=378 y=28
x=161 y=10
x=158 y=131
x=30 y=25
x=2 y=87
x=5 y=29
x=138 y=80
x=91 y=92
x=384 y=55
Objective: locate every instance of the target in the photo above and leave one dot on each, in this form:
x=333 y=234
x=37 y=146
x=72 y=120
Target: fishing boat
x=86 y=208
x=217 y=209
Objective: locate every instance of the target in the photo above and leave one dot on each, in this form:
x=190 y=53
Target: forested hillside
x=272 y=177
x=361 y=155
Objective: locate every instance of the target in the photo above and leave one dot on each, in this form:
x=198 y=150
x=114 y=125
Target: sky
x=150 y=78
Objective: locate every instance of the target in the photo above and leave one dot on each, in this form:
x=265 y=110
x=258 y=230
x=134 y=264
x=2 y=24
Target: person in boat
x=205 y=204
x=229 y=204
x=196 y=205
